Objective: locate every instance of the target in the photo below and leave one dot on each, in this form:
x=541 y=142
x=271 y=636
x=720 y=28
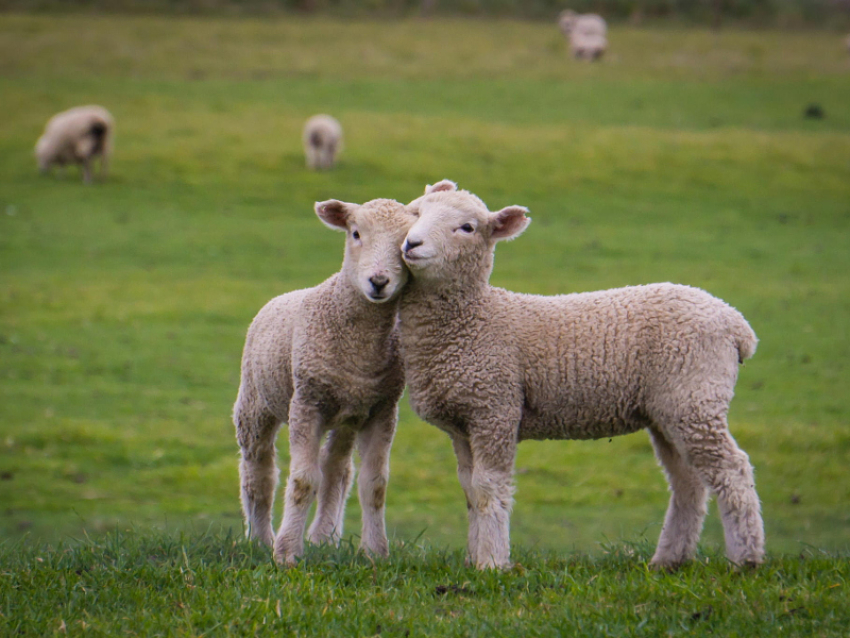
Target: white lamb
x=322 y=139
x=77 y=136
x=325 y=360
x=492 y=368
x=587 y=33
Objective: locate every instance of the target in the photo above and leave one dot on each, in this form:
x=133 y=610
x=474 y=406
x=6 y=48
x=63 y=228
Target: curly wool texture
x=77 y=136
x=322 y=139
x=326 y=361
x=493 y=367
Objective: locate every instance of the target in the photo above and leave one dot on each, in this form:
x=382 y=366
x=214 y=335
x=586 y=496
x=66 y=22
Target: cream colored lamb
x=322 y=139
x=77 y=136
x=587 y=33
x=492 y=368
x=325 y=360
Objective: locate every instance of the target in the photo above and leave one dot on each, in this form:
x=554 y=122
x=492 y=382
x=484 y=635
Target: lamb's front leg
x=464 y=474
x=374 y=442
x=491 y=488
x=337 y=476
x=305 y=435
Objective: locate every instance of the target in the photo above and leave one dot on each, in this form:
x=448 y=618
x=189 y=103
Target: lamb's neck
x=432 y=303
x=355 y=314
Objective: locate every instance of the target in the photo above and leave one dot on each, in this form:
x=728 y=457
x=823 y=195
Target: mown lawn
x=684 y=156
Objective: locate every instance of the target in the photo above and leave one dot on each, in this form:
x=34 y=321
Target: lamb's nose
x=378 y=282
x=410 y=244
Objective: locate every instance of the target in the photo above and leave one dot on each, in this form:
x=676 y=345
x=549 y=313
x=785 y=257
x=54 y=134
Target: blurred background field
x=683 y=156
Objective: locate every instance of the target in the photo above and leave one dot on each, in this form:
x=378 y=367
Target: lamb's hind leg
x=464 y=474
x=337 y=476
x=687 y=508
x=258 y=473
x=726 y=469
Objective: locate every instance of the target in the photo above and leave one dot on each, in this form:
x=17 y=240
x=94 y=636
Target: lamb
x=492 y=367
x=322 y=139
x=325 y=360
x=587 y=34
x=77 y=136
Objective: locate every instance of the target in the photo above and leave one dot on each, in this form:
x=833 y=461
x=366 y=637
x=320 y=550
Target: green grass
x=213 y=585
x=684 y=156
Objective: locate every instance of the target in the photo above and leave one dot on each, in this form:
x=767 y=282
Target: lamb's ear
x=509 y=223
x=442 y=185
x=334 y=213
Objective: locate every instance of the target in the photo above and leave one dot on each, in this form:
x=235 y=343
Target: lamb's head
x=374 y=232
x=567 y=20
x=455 y=235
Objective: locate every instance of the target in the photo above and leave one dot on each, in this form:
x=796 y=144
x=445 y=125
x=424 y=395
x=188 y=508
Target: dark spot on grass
x=6 y=476
x=814 y=112
x=702 y=615
x=442 y=590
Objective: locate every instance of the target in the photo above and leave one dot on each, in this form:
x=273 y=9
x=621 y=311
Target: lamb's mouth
x=379 y=297
x=411 y=258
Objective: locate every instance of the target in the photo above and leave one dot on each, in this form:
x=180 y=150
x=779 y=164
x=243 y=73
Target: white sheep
x=325 y=360
x=587 y=33
x=322 y=139
x=492 y=368
x=77 y=136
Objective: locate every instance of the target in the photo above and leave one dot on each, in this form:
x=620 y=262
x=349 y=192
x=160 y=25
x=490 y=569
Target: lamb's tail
x=745 y=338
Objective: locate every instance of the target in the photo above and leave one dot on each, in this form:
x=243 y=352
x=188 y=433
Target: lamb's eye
x=356 y=235
x=467 y=228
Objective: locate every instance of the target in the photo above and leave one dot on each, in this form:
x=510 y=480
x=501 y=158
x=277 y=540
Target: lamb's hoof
x=284 y=560
x=748 y=564
x=491 y=564
x=266 y=539
x=376 y=553
x=665 y=566
x=284 y=557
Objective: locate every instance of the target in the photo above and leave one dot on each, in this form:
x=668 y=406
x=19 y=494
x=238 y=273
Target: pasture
x=684 y=156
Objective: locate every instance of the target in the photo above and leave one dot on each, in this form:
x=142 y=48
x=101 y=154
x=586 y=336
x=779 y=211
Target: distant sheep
x=492 y=367
x=325 y=360
x=587 y=33
x=77 y=136
x=322 y=139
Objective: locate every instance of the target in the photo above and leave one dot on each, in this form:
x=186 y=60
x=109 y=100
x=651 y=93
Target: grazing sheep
x=77 y=136
x=587 y=34
x=492 y=368
x=325 y=360
x=322 y=141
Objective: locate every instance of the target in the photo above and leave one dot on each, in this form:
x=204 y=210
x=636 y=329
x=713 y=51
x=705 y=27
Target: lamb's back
x=589 y=359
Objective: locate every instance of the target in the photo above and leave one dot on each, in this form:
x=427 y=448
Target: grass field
x=684 y=156
x=213 y=585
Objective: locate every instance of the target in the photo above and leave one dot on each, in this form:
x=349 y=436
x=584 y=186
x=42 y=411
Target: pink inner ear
x=510 y=222
x=333 y=213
